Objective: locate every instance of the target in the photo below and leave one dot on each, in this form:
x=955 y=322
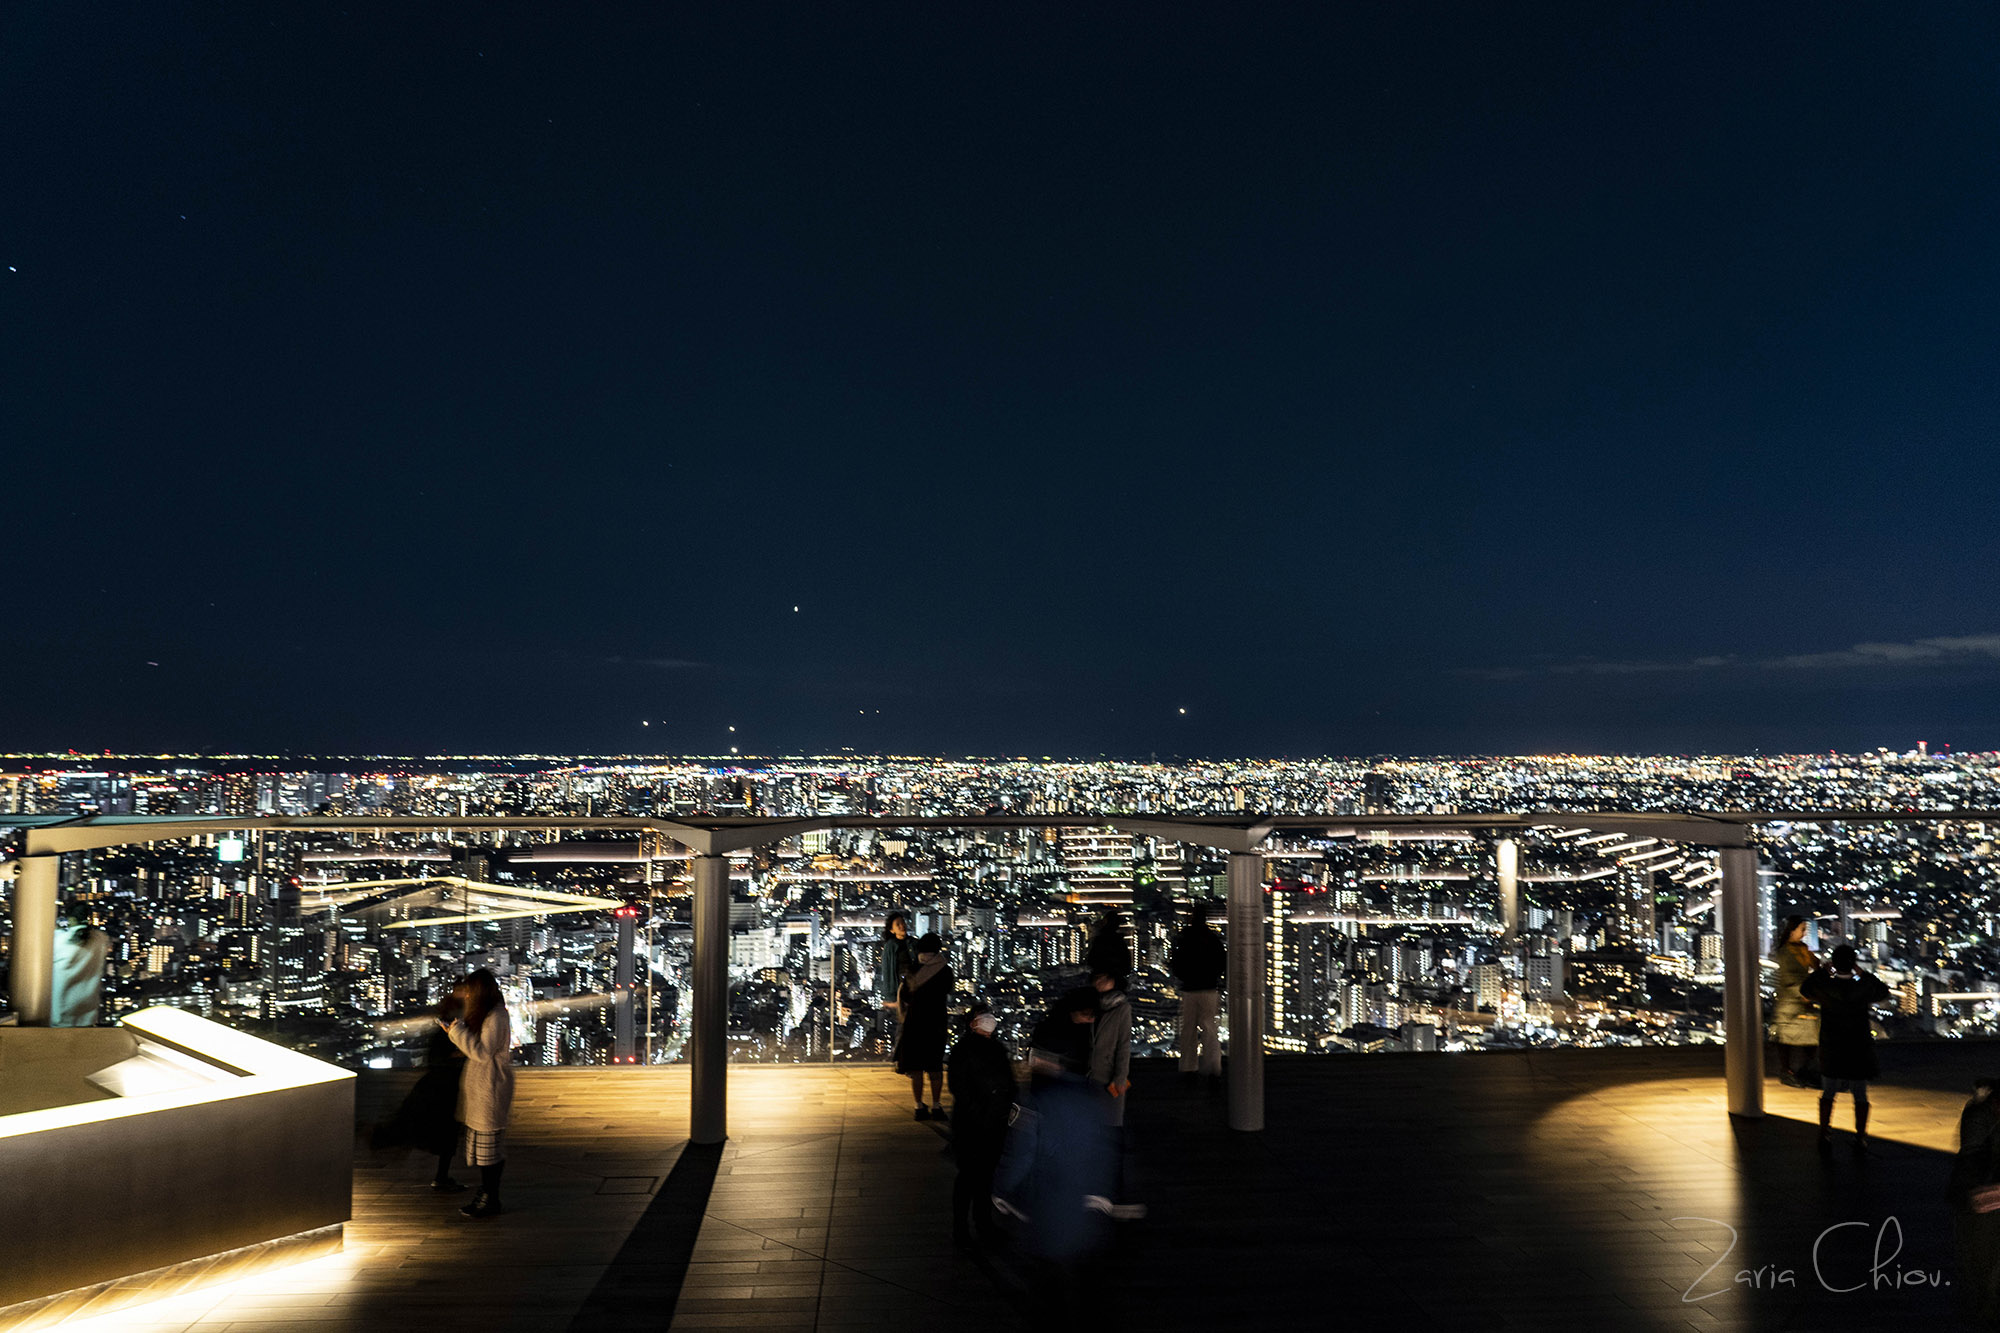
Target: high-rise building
x=1544 y=975
x=1630 y=928
x=1488 y=985
x=1097 y=867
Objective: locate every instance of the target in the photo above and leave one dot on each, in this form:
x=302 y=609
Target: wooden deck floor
x=1576 y=1189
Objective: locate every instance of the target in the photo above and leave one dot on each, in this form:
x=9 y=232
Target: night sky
x=1000 y=378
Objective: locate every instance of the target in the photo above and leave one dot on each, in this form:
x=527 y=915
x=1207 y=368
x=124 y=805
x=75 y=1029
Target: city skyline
x=1387 y=925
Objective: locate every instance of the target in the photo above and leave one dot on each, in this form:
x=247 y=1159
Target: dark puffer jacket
x=1846 y=1044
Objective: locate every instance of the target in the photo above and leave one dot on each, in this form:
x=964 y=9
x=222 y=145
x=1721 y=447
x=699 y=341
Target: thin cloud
x=659 y=663
x=1941 y=651
x=1916 y=654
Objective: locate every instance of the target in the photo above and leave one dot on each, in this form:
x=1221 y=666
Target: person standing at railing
x=1110 y=949
x=1794 y=1020
x=1197 y=962
x=920 y=1045
x=896 y=960
x=1847 y=1063
x=486 y=1091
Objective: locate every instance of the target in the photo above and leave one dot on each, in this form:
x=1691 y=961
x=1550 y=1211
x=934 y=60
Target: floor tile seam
x=775 y=1240
x=833 y=1195
x=787 y=1147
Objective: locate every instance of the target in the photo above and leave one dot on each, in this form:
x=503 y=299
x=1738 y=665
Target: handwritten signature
x=1881 y=1274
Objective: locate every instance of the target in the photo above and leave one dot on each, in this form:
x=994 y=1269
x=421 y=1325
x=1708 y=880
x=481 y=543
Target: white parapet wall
x=202 y=1141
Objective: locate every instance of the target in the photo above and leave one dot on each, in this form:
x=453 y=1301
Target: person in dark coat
x=1060 y=1041
x=1975 y=1205
x=1110 y=948
x=920 y=1045
x=980 y=1074
x=896 y=959
x=428 y=1118
x=1197 y=964
x=1844 y=994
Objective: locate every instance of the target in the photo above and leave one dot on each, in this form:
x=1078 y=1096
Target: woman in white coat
x=486 y=1093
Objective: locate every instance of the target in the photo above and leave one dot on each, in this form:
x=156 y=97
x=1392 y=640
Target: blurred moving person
x=77 y=987
x=428 y=1118
x=1056 y=1168
x=980 y=1074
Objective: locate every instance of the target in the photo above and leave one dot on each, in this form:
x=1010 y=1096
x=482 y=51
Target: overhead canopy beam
x=1238 y=838
x=706 y=839
x=1700 y=830
x=1721 y=828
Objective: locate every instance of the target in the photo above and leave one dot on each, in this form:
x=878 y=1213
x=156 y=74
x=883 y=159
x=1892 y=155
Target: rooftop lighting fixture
x=488 y=902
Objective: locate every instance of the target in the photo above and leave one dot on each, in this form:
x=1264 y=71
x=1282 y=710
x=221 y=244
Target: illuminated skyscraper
x=1630 y=925
x=1097 y=867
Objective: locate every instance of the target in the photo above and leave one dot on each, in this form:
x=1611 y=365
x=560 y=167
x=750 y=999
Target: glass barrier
x=335 y=945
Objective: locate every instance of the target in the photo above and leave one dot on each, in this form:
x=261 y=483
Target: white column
x=1507 y=863
x=708 y=1114
x=624 y=1046
x=1246 y=991
x=1742 y=990
x=33 y=983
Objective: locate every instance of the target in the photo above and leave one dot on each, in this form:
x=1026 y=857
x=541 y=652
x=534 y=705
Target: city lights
x=330 y=940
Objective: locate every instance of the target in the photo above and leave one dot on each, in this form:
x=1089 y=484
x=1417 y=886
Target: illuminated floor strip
x=163 y=1294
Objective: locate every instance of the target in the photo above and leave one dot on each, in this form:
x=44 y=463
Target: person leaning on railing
x=1197 y=964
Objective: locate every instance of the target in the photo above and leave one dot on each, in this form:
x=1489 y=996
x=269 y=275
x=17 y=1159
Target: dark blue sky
x=1359 y=378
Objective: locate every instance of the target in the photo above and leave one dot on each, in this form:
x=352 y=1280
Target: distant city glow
x=1376 y=938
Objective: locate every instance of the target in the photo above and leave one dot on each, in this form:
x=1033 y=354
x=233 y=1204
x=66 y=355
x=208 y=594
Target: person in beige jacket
x=1794 y=1018
x=486 y=1092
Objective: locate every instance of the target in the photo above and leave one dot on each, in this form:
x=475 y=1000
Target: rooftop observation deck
x=1572 y=1189
x=1612 y=1188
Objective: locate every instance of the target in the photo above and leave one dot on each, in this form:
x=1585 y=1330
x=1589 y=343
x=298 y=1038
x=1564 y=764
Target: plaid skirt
x=485 y=1147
